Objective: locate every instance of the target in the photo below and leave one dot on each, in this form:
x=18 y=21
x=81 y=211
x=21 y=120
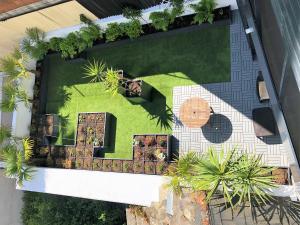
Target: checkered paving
x=232 y=102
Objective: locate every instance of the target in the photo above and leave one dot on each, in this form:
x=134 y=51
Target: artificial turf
x=164 y=61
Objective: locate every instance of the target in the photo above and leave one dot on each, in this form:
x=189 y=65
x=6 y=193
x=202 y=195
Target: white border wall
x=138 y=189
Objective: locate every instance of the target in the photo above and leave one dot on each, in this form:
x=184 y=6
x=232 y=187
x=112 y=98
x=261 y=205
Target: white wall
x=22 y=115
x=146 y=12
x=136 y=189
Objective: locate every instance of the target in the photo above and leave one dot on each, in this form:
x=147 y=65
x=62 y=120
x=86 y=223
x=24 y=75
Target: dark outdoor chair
x=261 y=88
x=263 y=122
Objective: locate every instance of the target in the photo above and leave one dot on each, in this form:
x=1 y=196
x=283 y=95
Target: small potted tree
x=117 y=165
x=136 y=91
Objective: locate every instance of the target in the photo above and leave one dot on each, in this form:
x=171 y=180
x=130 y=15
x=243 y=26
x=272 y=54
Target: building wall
x=280 y=34
x=10 y=201
x=52 y=18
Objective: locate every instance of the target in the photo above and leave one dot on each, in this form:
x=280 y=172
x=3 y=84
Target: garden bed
x=92 y=131
x=151 y=147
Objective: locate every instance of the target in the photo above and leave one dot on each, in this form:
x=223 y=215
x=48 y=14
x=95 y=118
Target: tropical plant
x=90 y=33
x=14 y=158
x=237 y=176
x=13 y=65
x=252 y=179
x=114 y=31
x=13 y=95
x=28 y=145
x=133 y=28
x=177 y=9
x=111 y=81
x=5 y=133
x=204 y=11
x=131 y=13
x=54 y=43
x=94 y=70
x=182 y=174
x=34 y=43
x=161 y=20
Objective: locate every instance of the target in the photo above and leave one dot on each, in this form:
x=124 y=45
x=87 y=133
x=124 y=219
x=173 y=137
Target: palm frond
x=5 y=133
x=28 y=145
x=8 y=105
x=111 y=81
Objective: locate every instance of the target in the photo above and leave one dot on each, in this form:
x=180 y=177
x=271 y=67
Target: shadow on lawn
x=112 y=135
x=158 y=110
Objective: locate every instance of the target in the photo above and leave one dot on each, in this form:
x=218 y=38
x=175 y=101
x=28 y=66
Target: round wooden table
x=194 y=112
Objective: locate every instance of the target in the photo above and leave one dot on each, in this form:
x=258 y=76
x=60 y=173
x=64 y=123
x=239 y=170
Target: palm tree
x=182 y=174
x=15 y=155
x=95 y=70
x=13 y=65
x=13 y=95
x=236 y=175
x=111 y=81
x=34 y=44
x=5 y=133
x=214 y=170
x=252 y=179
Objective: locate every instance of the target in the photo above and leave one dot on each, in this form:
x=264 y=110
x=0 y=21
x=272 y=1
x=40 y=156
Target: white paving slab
x=232 y=103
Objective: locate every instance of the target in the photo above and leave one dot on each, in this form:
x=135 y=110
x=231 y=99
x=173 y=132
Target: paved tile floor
x=232 y=103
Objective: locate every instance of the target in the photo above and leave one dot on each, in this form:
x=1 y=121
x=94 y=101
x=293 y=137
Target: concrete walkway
x=10 y=201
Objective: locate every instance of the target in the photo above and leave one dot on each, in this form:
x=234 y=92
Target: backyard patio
x=231 y=124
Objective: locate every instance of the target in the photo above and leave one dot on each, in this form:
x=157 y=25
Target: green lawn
x=185 y=58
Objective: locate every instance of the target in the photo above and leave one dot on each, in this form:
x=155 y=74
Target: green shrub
x=90 y=33
x=54 y=43
x=113 y=31
x=204 y=11
x=133 y=28
x=33 y=44
x=69 y=46
x=45 y=209
x=177 y=9
x=161 y=20
x=131 y=13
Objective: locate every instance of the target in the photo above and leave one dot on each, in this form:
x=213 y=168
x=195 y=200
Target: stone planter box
x=93 y=130
x=151 y=147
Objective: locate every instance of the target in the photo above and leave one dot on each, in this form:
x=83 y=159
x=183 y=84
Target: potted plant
x=88 y=163
x=107 y=165
x=88 y=153
x=161 y=168
x=70 y=152
x=49 y=161
x=127 y=166
x=136 y=91
x=70 y=164
x=149 y=167
x=81 y=118
x=138 y=167
x=59 y=163
x=116 y=165
x=97 y=164
x=43 y=151
x=79 y=152
x=79 y=162
x=138 y=153
x=150 y=154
